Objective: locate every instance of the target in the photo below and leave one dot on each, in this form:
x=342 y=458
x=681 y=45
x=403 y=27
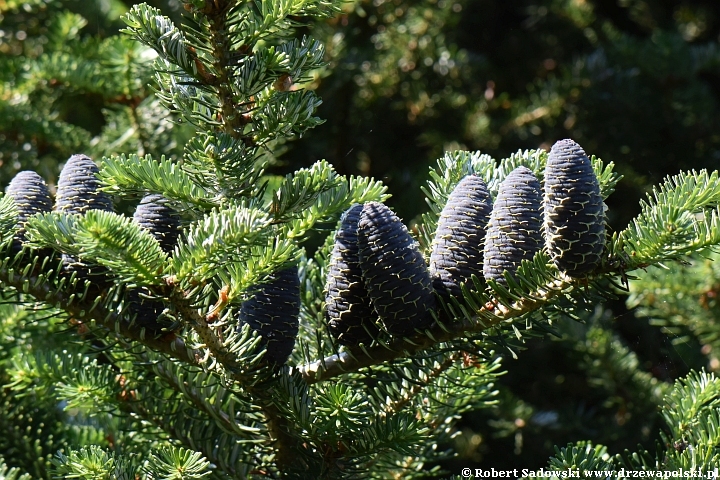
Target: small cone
x=574 y=213
x=31 y=196
x=273 y=312
x=77 y=192
x=155 y=215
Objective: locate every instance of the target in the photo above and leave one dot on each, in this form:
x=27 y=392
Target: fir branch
x=120 y=244
x=221 y=237
x=179 y=421
x=284 y=114
x=232 y=119
x=139 y=175
x=175 y=463
x=213 y=399
x=11 y=473
x=8 y=220
x=280 y=431
x=222 y=163
x=583 y=456
x=106 y=238
x=681 y=217
x=79 y=381
x=55 y=230
x=93 y=462
x=427 y=378
x=301 y=188
x=44 y=288
x=276 y=17
x=151 y=28
x=302 y=56
x=328 y=204
x=607 y=178
x=241 y=274
x=207 y=334
x=692 y=406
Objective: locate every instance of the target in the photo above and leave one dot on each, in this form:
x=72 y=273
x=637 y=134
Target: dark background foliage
x=635 y=82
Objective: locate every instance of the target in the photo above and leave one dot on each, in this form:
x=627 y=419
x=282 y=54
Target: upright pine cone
x=514 y=230
x=457 y=249
x=78 y=192
x=155 y=215
x=349 y=312
x=574 y=215
x=273 y=312
x=78 y=187
x=394 y=271
x=31 y=196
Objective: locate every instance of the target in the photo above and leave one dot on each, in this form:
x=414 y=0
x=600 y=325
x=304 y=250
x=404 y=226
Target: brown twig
x=487 y=317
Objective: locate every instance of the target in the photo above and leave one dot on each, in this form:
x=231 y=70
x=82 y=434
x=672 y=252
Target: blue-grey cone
x=349 y=312
x=457 y=249
x=574 y=214
x=78 y=187
x=273 y=311
x=77 y=192
x=147 y=311
x=31 y=196
x=155 y=215
x=394 y=271
x=514 y=230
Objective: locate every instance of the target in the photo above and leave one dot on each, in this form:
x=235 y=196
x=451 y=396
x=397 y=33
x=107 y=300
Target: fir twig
x=486 y=317
x=396 y=406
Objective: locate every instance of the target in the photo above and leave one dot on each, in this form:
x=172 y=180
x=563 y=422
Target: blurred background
x=635 y=82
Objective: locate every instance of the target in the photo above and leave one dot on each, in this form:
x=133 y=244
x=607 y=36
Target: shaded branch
x=86 y=310
x=396 y=406
x=278 y=427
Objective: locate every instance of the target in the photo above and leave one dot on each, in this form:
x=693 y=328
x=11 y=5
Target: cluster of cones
x=377 y=277
x=377 y=272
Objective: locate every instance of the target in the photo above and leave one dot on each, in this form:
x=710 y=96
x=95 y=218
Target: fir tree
x=95 y=389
